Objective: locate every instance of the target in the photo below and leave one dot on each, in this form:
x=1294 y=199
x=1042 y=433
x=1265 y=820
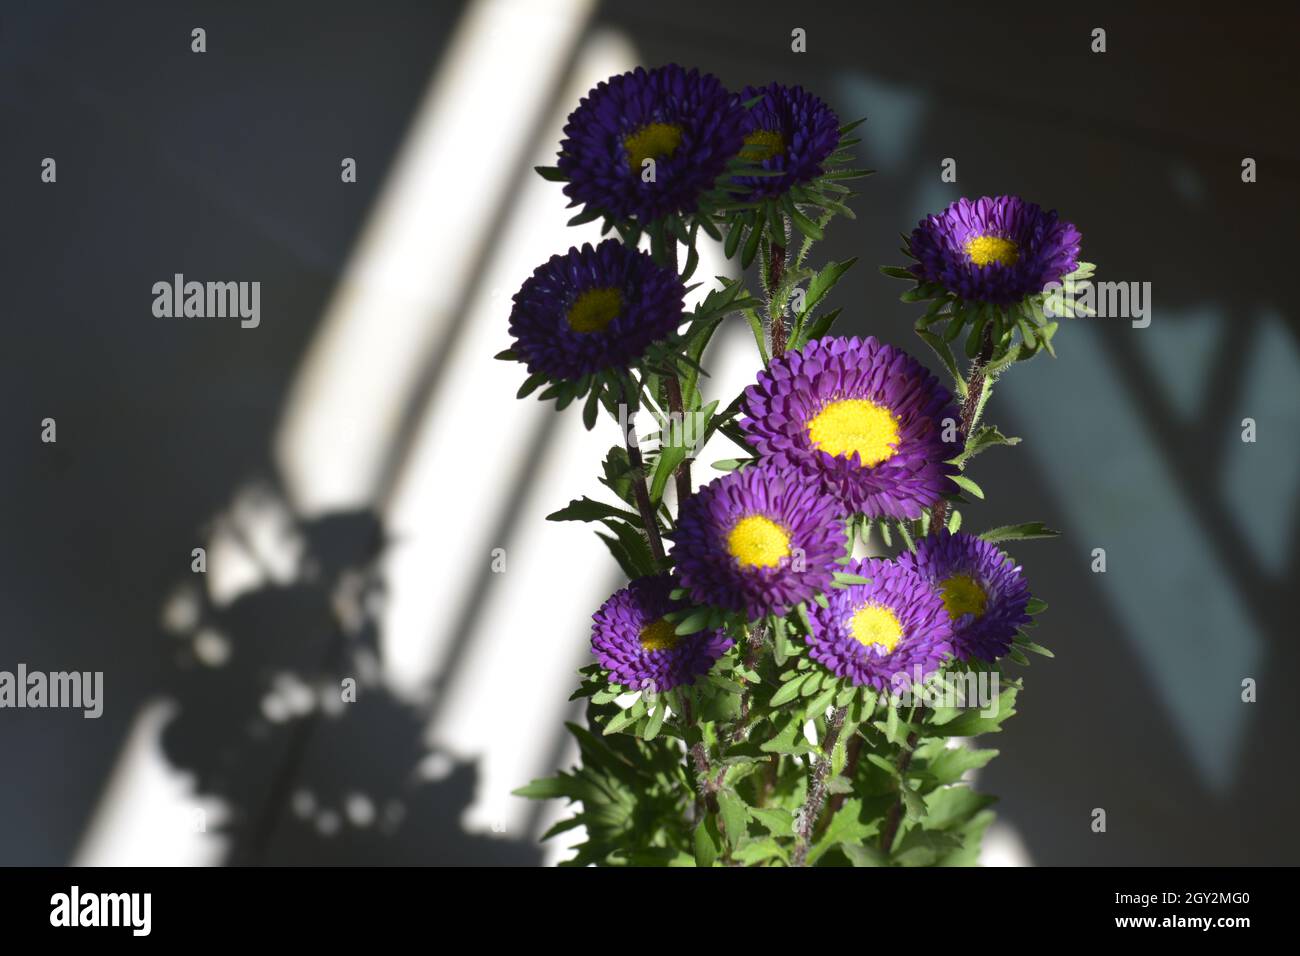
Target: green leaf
x=759 y=851
x=986 y=437
x=886 y=765
x=949 y=360
x=1035 y=606
x=669 y=458
x=850 y=826
x=805 y=225
x=735 y=816
x=531 y=384
x=818 y=706
x=788 y=739
x=621 y=720
x=864 y=854
x=547 y=788
x=948 y=807
x=950 y=764
x=846 y=579
x=823 y=282
x=591 y=409
x=760 y=335
x=787 y=691
x=898 y=273
x=972 y=722
x=967 y=485
x=920 y=847
x=586 y=509
x=551 y=174
x=634 y=546
x=819 y=328
x=708 y=842
x=751 y=244
x=695 y=622
x=1019 y=532
x=656 y=721
x=779 y=823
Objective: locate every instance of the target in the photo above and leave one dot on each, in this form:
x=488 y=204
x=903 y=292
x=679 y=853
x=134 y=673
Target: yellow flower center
x=985 y=249
x=758 y=542
x=961 y=595
x=654 y=141
x=763 y=144
x=856 y=425
x=594 y=310
x=876 y=624
x=659 y=636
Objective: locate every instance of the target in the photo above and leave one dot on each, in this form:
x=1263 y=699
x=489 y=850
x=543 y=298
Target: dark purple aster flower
x=631 y=639
x=996 y=249
x=758 y=541
x=592 y=309
x=868 y=633
x=788 y=129
x=865 y=418
x=982 y=589
x=686 y=122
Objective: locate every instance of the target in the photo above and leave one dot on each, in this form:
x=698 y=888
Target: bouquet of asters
x=809 y=643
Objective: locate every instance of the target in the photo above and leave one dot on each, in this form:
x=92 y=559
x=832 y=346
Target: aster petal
x=616 y=639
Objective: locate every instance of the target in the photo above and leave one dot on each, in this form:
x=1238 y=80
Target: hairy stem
x=895 y=815
x=816 y=799
x=675 y=406
x=639 y=491
x=699 y=768
x=852 y=756
x=775 y=312
x=974 y=391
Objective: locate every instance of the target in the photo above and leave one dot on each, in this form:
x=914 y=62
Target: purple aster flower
x=996 y=249
x=863 y=417
x=758 y=541
x=868 y=633
x=592 y=309
x=631 y=639
x=982 y=589
x=687 y=122
x=788 y=129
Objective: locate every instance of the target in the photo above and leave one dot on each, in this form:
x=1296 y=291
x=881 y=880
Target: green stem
x=816 y=798
x=969 y=409
x=895 y=816
x=639 y=491
x=775 y=265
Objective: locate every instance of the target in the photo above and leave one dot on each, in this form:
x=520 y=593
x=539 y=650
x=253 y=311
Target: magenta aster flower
x=996 y=249
x=686 y=121
x=788 y=129
x=982 y=589
x=758 y=541
x=869 y=633
x=593 y=309
x=640 y=649
x=862 y=417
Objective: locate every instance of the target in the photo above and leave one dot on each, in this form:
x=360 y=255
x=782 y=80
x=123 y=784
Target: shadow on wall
x=282 y=715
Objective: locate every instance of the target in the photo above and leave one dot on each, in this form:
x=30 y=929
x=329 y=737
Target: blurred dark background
x=225 y=166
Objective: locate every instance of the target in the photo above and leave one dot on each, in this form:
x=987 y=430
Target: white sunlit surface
x=407 y=273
